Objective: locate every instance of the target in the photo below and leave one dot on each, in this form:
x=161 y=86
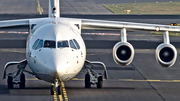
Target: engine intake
x=123 y=53
x=166 y=55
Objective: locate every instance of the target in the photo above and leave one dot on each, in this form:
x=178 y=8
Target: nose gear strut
x=56 y=87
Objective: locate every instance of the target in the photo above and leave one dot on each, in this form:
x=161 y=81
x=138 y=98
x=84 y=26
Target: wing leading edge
x=116 y=25
x=97 y=24
x=20 y=24
x=124 y=47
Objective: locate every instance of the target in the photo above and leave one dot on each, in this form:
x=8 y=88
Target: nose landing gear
x=56 y=87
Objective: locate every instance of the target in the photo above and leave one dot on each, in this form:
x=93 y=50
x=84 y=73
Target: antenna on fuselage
x=54 y=8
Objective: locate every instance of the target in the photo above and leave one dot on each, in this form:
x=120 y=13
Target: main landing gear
x=11 y=83
x=92 y=77
x=56 y=87
x=18 y=76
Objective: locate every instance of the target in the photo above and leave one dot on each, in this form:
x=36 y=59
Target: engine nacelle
x=123 y=53
x=166 y=55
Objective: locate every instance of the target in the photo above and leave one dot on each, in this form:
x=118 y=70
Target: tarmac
x=66 y=6
x=142 y=80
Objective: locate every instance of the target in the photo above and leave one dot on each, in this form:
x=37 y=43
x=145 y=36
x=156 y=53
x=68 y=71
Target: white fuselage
x=49 y=63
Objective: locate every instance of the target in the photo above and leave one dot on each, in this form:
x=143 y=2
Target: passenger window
x=49 y=44
x=63 y=44
x=35 y=44
x=40 y=44
x=72 y=44
x=77 y=45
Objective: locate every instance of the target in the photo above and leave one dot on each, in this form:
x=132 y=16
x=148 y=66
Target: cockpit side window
x=77 y=45
x=63 y=44
x=72 y=44
x=35 y=44
x=40 y=44
x=49 y=44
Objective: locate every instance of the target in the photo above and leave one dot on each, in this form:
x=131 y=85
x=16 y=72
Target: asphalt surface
x=67 y=6
x=41 y=7
x=142 y=80
x=118 y=89
x=128 y=83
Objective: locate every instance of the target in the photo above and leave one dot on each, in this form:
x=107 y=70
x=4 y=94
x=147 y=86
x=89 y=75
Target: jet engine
x=166 y=54
x=123 y=53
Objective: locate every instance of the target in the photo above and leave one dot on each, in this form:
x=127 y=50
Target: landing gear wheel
x=87 y=81
x=52 y=90
x=22 y=81
x=59 y=90
x=10 y=83
x=100 y=82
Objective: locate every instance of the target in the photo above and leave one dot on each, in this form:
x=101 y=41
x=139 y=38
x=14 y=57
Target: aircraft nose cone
x=61 y=67
x=55 y=62
x=61 y=64
x=56 y=67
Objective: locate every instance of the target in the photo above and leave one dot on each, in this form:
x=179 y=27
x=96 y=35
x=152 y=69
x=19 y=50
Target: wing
x=116 y=25
x=20 y=24
x=123 y=52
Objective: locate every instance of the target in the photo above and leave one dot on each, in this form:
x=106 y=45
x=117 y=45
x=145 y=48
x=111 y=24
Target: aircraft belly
x=68 y=76
x=45 y=77
x=72 y=71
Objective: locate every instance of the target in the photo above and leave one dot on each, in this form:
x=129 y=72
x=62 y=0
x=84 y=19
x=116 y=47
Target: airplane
x=55 y=50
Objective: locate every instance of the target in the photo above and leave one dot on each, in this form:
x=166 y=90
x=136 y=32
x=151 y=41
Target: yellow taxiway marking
x=39 y=8
x=150 y=80
x=60 y=97
x=55 y=96
x=77 y=79
x=132 y=80
x=64 y=90
x=31 y=78
x=136 y=80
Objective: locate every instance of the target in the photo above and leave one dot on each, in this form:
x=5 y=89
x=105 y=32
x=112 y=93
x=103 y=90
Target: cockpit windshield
x=49 y=44
x=74 y=44
x=63 y=44
x=38 y=44
x=52 y=44
x=77 y=45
